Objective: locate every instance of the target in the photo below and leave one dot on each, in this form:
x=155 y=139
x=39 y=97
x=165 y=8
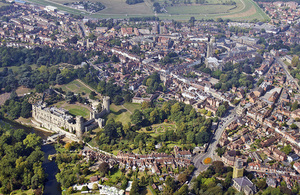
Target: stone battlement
x=60 y=121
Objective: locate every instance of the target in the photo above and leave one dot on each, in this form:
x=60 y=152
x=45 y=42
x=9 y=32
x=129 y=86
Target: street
x=289 y=76
x=198 y=159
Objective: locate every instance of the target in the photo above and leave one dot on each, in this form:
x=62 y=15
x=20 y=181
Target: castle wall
x=100 y=114
x=53 y=122
x=60 y=121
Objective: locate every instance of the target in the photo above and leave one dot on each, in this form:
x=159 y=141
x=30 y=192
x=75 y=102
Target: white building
x=50 y=8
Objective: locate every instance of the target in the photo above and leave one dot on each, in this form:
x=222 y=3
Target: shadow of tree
x=119 y=112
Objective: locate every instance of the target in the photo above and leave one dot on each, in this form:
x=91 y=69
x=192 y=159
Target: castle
x=60 y=121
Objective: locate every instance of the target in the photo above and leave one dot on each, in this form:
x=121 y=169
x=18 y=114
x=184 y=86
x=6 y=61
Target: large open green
x=3 y=4
x=123 y=112
x=76 y=87
x=212 y=9
x=75 y=109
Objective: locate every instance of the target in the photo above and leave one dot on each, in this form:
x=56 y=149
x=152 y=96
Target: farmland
x=211 y=9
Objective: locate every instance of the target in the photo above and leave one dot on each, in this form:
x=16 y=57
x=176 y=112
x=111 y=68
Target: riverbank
x=51 y=187
x=28 y=122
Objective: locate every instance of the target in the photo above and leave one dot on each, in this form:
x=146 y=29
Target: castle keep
x=60 y=121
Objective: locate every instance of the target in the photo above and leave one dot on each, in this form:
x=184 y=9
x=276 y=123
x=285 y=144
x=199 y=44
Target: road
x=198 y=159
x=289 y=76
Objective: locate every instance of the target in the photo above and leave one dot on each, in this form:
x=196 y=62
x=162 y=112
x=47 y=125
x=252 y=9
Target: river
x=52 y=187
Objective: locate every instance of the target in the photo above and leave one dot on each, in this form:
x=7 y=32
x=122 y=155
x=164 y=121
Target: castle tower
x=92 y=114
x=238 y=169
x=79 y=126
x=106 y=103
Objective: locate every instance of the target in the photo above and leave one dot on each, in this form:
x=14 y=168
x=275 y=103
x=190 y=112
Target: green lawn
x=74 y=109
x=118 y=113
x=19 y=192
x=76 y=87
x=122 y=114
x=80 y=111
x=115 y=175
x=132 y=106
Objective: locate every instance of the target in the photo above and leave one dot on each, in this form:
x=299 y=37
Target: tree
x=118 y=100
x=190 y=137
x=92 y=95
x=287 y=149
x=168 y=190
x=104 y=167
x=295 y=61
x=115 y=59
x=26 y=109
x=134 y=188
x=60 y=79
x=218 y=166
x=145 y=105
x=137 y=117
x=84 y=188
x=127 y=98
x=182 y=178
x=295 y=105
x=221 y=111
x=183 y=190
x=261 y=184
x=68 y=146
x=170 y=182
x=95 y=186
x=13 y=95
x=175 y=109
x=202 y=137
x=32 y=141
x=294 y=126
x=74 y=39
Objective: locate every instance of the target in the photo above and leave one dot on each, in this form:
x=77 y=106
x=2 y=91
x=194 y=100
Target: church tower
x=238 y=169
x=210 y=47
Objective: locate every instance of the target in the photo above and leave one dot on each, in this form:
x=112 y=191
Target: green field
x=3 y=4
x=122 y=114
x=212 y=9
x=76 y=87
x=74 y=109
x=79 y=111
x=199 y=9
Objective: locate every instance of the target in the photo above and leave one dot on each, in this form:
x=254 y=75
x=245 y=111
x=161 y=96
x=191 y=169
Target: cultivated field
x=212 y=9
